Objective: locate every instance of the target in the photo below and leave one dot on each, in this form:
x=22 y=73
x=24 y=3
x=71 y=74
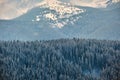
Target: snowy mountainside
x=63 y=20
x=57 y=13
x=93 y=3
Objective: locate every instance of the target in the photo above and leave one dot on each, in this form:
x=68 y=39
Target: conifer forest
x=63 y=59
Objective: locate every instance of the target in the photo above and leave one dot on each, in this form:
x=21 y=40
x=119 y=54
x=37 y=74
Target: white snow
x=115 y=1
x=93 y=3
x=59 y=25
x=51 y=16
x=62 y=15
x=37 y=18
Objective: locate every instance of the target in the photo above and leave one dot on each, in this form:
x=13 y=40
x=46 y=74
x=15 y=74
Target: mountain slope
x=63 y=20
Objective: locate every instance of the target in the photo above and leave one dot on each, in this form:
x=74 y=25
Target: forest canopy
x=63 y=59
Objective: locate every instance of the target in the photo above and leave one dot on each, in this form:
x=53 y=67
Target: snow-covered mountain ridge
x=60 y=13
x=94 y=3
x=63 y=20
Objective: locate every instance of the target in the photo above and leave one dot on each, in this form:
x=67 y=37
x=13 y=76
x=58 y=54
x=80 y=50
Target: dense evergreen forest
x=64 y=59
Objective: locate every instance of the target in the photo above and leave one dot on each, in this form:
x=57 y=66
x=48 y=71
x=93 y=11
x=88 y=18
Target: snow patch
x=37 y=18
x=93 y=3
x=51 y=16
x=60 y=13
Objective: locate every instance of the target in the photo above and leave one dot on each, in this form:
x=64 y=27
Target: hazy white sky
x=12 y=8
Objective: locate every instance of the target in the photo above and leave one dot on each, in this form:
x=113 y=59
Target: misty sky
x=12 y=8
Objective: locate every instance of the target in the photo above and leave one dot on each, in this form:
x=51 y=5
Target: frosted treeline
x=64 y=59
